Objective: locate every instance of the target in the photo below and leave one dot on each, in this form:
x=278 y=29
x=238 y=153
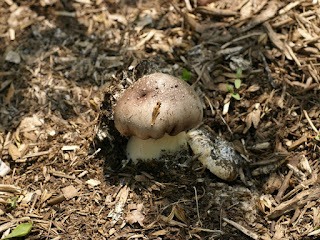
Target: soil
x=63 y=66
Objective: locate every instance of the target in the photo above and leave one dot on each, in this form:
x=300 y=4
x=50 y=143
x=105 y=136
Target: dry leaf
x=179 y=213
x=253 y=117
x=256 y=117
x=14 y=152
x=273 y=183
x=135 y=217
x=30 y=123
x=264 y=203
x=10 y=94
x=248 y=122
x=253 y=88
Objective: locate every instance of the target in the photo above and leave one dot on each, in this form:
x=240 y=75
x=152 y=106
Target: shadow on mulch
x=64 y=34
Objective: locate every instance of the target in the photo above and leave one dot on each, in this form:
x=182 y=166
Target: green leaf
x=236 y=96
x=186 y=75
x=20 y=231
x=230 y=89
x=237 y=83
x=318 y=137
x=239 y=72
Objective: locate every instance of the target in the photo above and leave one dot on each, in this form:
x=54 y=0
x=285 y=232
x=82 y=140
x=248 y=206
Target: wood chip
x=69 y=192
x=93 y=182
x=70 y=148
x=9 y=188
x=265 y=15
x=296 y=202
x=215 y=12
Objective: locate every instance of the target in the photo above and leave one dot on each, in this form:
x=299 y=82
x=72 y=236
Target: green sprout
x=186 y=75
x=237 y=85
x=13 y=201
x=317 y=137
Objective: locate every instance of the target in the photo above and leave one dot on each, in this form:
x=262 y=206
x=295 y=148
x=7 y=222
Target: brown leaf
x=248 y=123
x=135 y=217
x=253 y=88
x=256 y=117
x=14 y=152
x=253 y=117
x=179 y=213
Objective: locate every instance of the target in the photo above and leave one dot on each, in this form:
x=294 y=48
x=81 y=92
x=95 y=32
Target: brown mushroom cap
x=178 y=105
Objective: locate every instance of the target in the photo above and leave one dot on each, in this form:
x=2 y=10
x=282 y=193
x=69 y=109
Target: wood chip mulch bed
x=63 y=65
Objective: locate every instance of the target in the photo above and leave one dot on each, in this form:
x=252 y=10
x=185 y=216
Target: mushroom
x=156 y=111
x=216 y=154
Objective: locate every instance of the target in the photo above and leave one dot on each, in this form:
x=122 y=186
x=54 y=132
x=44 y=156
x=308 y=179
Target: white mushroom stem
x=146 y=150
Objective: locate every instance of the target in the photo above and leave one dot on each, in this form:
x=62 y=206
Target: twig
x=240 y=38
x=275 y=40
x=197 y=204
x=290 y=6
x=241 y=228
x=200 y=74
x=268 y=71
x=310 y=122
x=37 y=154
x=290 y=20
x=298 y=142
x=292 y=54
x=269 y=12
x=315 y=232
x=284 y=186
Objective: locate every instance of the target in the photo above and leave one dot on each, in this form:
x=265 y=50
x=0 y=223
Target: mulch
x=64 y=64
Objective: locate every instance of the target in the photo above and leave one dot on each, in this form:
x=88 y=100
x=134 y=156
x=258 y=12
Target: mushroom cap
x=157 y=104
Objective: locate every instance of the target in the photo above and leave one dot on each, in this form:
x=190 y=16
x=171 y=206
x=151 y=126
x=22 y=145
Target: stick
x=241 y=228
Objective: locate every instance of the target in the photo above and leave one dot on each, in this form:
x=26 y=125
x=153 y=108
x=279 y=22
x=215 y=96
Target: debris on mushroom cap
x=216 y=154
x=157 y=104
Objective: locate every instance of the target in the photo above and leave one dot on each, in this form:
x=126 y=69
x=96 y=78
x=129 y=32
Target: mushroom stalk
x=146 y=150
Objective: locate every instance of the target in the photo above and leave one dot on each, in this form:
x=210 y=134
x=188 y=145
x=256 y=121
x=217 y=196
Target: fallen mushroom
x=216 y=154
x=156 y=111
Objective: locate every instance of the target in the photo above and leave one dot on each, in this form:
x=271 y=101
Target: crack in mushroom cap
x=180 y=108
